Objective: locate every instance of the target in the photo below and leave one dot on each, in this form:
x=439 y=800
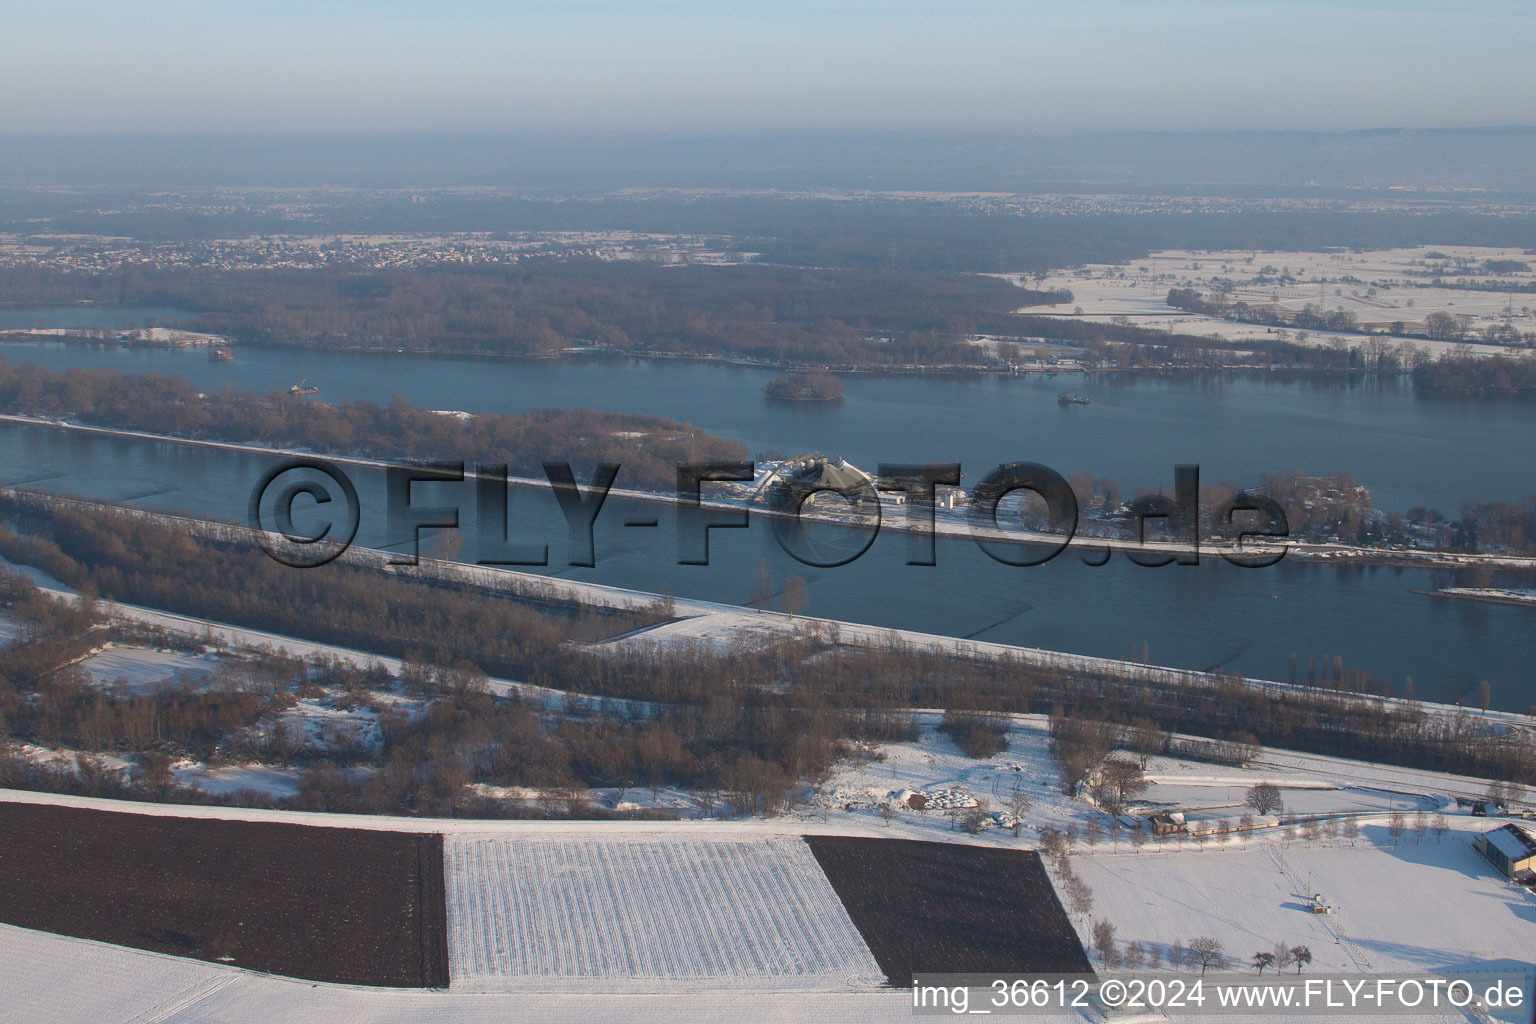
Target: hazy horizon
x=685 y=65
x=1486 y=158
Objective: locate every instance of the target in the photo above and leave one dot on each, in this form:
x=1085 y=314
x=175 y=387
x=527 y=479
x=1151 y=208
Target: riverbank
x=696 y=624
x=947 y=522
x=131 y=337
x=1491 y=595
x=1067 y=365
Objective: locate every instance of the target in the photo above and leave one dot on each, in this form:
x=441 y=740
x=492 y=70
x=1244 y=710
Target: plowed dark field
x=942 y=908
x=327 y=904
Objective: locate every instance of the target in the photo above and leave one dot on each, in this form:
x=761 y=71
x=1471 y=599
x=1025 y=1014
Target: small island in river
x=805 y=387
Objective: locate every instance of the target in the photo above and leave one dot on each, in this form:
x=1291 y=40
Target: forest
x=761 y=313
x=649 y=448
x=1513 y=376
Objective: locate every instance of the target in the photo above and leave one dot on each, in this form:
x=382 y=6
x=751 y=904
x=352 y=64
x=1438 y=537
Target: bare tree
x=1420 y=825
x=1282 y=956
x=1261 y=960
x=1396 y=825
x=1147 y=740
x=1265 y=798
x=1063 y=863
x=1135 y=955
x=1118 y=782
x=1104 y=943
x=1438 y=823
x=1207 y=953
x=762 y=587
x=1018 y=806
x=887 y=809
x=975 y=818
x=1051 y=841
x=795 y=598
x=1079 y=896
x=1301 y=956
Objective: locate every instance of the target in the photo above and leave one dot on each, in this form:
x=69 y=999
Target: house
x=1163 y=824
x=1510 y=848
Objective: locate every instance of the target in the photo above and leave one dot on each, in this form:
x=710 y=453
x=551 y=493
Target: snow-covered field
x=1309 y=784
x=275 y=782
x=49 y=979
x=1309 y=797
x=1380 y=288
x=664 y=921
x=638 y=914
x=1409 y=905
x=143 y=671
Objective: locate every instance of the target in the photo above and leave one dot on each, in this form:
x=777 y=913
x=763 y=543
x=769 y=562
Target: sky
x=737 y=65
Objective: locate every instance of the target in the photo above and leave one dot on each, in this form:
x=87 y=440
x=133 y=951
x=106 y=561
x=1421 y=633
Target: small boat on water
x=1073 y=398
x=221 y=355
x=303 y=387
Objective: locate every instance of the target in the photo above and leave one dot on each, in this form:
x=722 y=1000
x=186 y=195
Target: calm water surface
x=1407 y=449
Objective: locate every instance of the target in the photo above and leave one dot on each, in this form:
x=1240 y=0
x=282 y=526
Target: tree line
x=763 y=313
x=742 y=727
x=649 y=448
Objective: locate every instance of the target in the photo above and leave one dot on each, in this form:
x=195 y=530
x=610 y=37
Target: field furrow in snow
x=615 y=914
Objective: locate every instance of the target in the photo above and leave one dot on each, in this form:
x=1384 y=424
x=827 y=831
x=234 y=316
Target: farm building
x=1163 y=824
x=1509 y=848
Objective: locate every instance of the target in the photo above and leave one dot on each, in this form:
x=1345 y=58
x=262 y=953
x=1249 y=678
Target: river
x=1407 y=449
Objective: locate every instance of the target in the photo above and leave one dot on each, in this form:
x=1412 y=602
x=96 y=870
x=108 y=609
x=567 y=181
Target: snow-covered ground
x=274 y=782
x=650 y=921
x=1308 y=783
x=1221 y=797
x=637 y=914
x=603 y=898
x=50 y=979
x=1409 y=904
x=1380 y=288
x=143 y=670
x=1508 y=595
